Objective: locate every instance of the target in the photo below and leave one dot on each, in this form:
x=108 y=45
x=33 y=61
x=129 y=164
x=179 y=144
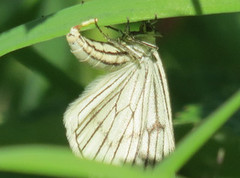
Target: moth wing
x=157 y=139
x=163 y=106
x=102 y=124
x=123 y=117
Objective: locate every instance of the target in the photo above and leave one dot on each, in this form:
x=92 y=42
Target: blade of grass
x=109 y=12
x=197 y=138
x=57 y=161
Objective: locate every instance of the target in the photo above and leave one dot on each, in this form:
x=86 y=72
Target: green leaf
x=57 y=161
x=108 y=12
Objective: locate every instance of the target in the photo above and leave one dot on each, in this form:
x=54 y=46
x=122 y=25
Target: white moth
x=124 y=116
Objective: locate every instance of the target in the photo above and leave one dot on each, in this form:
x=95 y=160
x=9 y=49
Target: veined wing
x=164 y=106
x=123 y=117
x=157 y=139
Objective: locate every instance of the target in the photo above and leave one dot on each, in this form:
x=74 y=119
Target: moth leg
x=124 y=33
x=119 y=44
x=127 y=27
x=116 y=29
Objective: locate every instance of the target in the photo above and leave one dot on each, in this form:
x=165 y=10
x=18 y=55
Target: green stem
x=193 y=142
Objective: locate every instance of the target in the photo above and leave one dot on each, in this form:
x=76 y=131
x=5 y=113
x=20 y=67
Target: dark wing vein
x=142 y=117
x=117 y=94
x=133 y=112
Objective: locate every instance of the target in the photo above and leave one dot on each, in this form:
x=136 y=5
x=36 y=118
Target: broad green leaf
x=57 y=161
x=108 y=12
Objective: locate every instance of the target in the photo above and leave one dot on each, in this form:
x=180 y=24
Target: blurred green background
x=201 y=56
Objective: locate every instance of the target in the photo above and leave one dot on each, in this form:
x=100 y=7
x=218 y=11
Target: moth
x=123 y=117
